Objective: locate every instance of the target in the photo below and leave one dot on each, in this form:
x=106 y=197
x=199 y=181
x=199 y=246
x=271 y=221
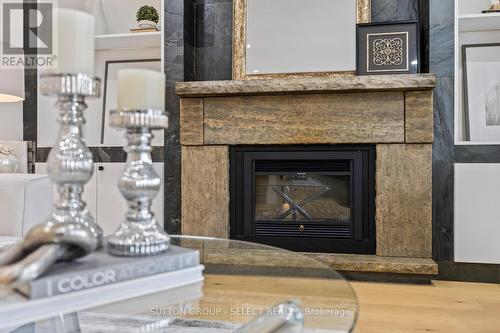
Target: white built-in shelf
x=479 y=22
x=133 y=40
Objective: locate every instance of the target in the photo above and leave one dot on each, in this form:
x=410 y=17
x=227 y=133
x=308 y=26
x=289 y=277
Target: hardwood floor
x=448 y=307
x=444 y=307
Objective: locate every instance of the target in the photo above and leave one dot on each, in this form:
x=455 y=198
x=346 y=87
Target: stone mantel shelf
x=398 y=82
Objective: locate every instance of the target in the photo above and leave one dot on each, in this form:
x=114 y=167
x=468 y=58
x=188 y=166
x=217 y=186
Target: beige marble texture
x=205 y=191
x=404 y=200
x=419 y=116
x=338 y=262
x=305 y=119
x=191 y=118
x=401 y=82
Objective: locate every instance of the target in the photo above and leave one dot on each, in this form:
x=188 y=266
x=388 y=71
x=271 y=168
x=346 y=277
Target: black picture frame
x=465 y=86
x=106 y=76
x=408 y=41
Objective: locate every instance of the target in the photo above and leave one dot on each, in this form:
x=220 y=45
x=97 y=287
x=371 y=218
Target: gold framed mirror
x=296 y=38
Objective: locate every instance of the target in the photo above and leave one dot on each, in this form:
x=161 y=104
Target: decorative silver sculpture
x=42 y=247
x=139 y=234
x=70 y=231
x=70 y=164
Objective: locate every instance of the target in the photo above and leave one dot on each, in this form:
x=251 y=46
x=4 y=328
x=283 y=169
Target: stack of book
x=100 y=279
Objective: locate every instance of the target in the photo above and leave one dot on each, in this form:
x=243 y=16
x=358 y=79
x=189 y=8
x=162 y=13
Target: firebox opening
x=304 y=198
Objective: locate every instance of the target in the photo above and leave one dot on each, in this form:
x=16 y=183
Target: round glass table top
x=246 y=287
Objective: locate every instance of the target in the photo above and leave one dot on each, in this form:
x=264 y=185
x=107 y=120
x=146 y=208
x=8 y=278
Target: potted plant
x=147 y=17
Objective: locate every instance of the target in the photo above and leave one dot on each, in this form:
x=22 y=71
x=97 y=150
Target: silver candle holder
x=139 y=234
x=70 y=164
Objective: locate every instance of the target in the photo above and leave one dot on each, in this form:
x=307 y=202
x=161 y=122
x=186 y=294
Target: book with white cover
x=15 y=312
x=100 y=269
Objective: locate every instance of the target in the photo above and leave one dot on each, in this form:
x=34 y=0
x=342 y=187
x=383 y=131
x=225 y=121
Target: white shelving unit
x=119 y=43
x=476 y=184
x=134 y=40
x=478 y=22
x=471 y=27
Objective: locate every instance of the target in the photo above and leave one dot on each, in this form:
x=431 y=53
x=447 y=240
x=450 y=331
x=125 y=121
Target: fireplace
x=304 y=198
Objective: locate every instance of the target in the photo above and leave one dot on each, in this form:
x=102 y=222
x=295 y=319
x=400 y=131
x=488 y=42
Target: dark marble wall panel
x=485 y=273
x=30 y=105
x=443 y=159
x=441 y=48
x=442 y=30
x=394 y=10
x=211 y=56
x=189 y=39
x=477 y=154
x=424 y=22
x=174 y=69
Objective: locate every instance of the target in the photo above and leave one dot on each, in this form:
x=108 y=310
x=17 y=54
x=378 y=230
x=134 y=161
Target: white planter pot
x=146 y=24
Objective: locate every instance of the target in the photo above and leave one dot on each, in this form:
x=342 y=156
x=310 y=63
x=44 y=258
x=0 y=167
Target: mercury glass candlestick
x=70 y=164
x=139 y=234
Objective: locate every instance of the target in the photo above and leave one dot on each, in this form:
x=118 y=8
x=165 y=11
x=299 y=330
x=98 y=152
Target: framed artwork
x=388 y=48
x=112 y=136
x=296 y=38
x=481 y=91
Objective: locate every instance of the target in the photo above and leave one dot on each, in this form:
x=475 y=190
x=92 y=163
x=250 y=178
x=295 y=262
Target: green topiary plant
x=148 y=13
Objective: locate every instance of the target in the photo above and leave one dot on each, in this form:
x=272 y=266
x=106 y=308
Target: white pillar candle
x=140 y=89
x=76 y=49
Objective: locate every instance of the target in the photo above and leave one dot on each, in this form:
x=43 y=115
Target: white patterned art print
x=481 y=65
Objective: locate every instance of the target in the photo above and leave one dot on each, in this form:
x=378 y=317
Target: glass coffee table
x=247 y=288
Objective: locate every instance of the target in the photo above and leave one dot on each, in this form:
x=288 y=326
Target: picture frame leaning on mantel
x=385 y=48
x=294 y=45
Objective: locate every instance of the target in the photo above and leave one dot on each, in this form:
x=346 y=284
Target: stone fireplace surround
x=394 y=112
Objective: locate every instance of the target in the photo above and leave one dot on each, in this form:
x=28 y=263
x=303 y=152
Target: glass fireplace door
x=303 y=199
x=303 y=196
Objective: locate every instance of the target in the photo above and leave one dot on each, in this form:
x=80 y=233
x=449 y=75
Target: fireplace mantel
x=400 y=82
x=357 y=109
x=392 y=112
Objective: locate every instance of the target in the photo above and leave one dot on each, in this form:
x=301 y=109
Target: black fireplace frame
x=242 y=198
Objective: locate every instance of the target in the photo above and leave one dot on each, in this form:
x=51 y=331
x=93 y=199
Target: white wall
x=11 y=121
x=477 y=213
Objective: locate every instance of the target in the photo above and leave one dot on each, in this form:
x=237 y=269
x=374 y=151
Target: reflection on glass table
x=247 y=288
